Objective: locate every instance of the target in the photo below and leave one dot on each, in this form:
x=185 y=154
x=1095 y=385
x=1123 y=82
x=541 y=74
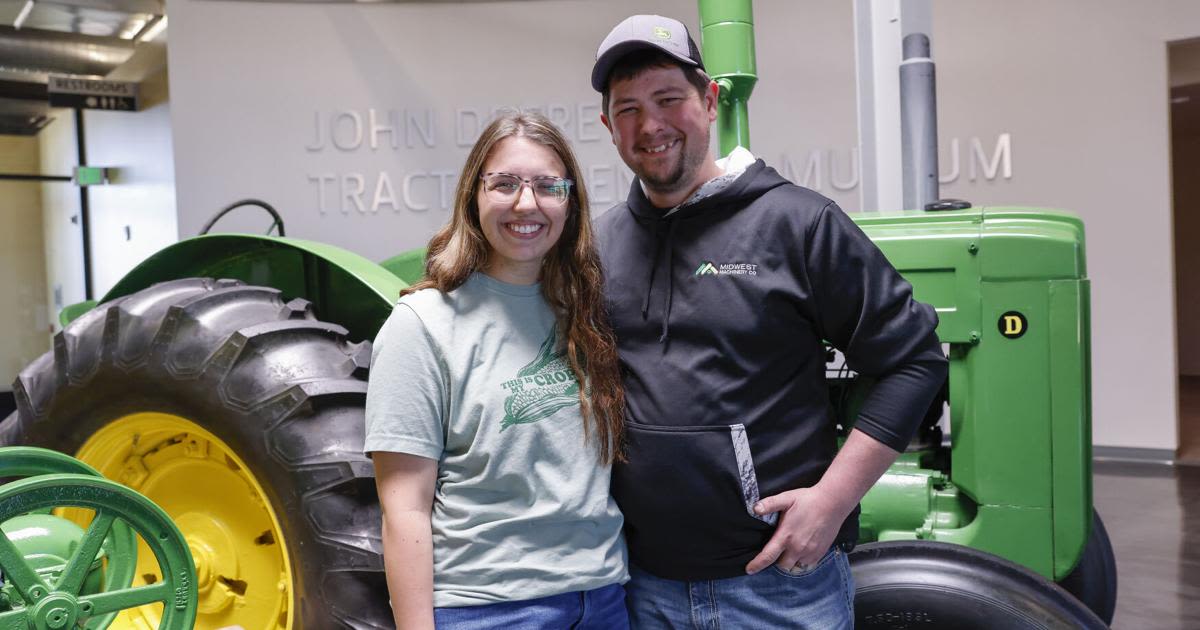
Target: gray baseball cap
x=641 y=32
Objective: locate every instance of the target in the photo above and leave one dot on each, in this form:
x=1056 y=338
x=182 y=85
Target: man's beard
x=680 y=176
x=668 y=183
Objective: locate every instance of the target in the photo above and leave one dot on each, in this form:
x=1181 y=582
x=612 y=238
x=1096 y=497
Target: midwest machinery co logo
x=710 y=268
x=662 y=33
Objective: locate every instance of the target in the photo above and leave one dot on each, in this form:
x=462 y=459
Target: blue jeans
x=821 y=598
x=599 y=609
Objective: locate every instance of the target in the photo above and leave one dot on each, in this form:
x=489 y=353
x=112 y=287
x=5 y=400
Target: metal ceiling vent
x=81 y=38
x=78 y=37
x=47 y=52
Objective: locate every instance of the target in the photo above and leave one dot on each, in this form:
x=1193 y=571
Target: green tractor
x=967 y=526
x=224 y=378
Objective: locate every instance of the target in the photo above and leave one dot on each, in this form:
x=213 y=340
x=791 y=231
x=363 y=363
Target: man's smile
x=661 y=147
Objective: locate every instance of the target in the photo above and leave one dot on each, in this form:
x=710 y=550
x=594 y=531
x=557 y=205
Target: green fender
x=345 y=288
x=409 y=266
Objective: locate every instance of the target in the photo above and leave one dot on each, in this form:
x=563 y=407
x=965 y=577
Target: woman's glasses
x=548 y=191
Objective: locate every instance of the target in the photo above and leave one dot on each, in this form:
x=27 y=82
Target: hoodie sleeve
x=866 y=309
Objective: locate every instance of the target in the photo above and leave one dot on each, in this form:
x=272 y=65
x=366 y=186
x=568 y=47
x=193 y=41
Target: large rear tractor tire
x=242 y=417
x=1094 y=579
x=942 y=586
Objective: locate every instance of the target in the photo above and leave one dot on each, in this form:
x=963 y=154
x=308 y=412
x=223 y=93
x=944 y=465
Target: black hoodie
x=720 y=309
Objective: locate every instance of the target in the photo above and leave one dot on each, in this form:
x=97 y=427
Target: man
x=723 y=279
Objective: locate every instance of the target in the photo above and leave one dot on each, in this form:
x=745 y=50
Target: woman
x=492 y=462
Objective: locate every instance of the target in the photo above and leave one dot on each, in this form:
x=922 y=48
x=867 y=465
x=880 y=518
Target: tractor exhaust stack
x=918 y=123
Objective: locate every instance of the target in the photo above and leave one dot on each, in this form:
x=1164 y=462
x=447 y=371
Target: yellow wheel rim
x=242 y=568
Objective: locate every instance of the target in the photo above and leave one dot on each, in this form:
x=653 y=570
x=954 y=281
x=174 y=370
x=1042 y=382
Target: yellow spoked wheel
x=242 y=570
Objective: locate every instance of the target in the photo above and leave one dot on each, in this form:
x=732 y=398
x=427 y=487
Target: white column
x=879 y=29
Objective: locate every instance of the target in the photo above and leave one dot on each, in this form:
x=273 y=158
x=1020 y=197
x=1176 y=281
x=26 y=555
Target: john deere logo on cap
x=661 y=32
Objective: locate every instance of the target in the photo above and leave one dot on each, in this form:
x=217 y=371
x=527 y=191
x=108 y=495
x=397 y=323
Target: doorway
x=23 y=312
x=1184 y=78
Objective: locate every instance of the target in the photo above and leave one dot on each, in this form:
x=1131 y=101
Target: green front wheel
x=59 y=605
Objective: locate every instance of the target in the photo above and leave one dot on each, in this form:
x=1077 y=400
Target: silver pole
x=918 y=123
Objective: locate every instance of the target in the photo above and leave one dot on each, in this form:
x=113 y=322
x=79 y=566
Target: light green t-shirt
x=477 y=380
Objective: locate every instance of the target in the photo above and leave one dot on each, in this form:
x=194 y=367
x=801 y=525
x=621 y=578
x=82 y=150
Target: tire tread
x=298 y=381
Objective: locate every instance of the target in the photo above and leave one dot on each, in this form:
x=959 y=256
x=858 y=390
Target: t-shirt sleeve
x=406 y=393
x=866 y=309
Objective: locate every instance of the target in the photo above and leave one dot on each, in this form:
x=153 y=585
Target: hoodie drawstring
x=650 y=281
x=654 y=267
x=666 y=315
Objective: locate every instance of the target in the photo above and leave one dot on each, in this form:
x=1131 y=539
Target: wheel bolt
x=56 y=619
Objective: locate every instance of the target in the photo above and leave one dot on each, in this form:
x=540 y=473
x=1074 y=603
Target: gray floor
x=1152 y=513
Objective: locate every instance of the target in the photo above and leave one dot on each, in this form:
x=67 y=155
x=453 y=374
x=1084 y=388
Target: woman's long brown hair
x=571 y=277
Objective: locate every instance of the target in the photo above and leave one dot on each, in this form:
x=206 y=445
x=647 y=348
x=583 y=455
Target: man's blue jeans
x=599 y=609
x=821 y=598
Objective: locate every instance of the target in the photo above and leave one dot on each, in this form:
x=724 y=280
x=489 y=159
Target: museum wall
x=353 y=119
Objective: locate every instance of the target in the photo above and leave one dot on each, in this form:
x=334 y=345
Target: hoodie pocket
x=688 y=496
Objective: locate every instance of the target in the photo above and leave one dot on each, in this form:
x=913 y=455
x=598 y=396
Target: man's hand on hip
x=808 y=524
x=809 y=518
